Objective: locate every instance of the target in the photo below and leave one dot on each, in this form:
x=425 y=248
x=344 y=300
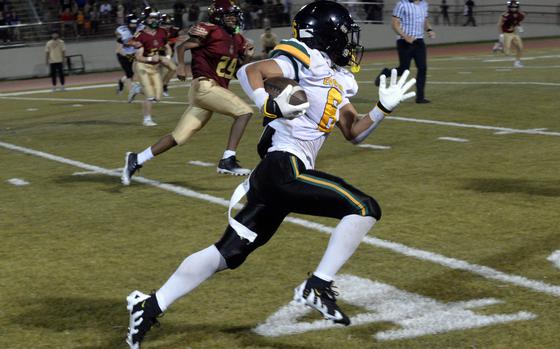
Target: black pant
x=126 y=63
x=57 y=68
x=280 y=184
x=407 y=52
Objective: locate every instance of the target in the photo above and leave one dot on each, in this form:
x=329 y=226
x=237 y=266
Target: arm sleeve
x=398 y=10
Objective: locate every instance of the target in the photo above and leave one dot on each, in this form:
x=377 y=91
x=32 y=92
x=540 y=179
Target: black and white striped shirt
x=412 y=16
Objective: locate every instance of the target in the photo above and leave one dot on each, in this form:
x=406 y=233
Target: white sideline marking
x=508 y=132
x=504 y=69
x=415 y=315
x=494 y=83
x=201 y=163
x=481 y=127
x=86 y=100
x=77 y=105
x=528 y=58
x=17 y=182
x=452 y=263
x=454 y=139
x=80 y=88
x=555 y=258
x=374 y=146
x=465 y=72
x=31 y=109
x=85 y=173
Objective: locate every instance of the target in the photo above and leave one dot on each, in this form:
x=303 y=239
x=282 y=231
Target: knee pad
x=372 y=207
x=234 y=249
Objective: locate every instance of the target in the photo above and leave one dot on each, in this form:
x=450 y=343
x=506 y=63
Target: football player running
x=125 y=51
x=173 y=33
x=510 y=26
x=325 y=41
x=150 y=41
x=217 y=49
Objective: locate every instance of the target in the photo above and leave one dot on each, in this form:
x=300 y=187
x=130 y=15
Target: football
x=275 y=86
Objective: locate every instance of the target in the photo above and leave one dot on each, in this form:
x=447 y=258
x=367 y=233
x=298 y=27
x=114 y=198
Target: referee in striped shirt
x=410 y=21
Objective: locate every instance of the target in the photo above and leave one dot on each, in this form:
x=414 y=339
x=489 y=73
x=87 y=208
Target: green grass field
x=459 y=259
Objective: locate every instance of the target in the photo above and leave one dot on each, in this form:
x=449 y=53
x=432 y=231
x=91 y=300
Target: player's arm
x=139 y=56
x=189 y=44
x=251 y=78
x=356 y=129
x=500 y=23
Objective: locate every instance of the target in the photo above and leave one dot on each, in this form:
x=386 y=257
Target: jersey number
x=226 y=67
x=328 y=120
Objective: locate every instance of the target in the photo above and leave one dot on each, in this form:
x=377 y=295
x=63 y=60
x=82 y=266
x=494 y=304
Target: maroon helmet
x=227 y=14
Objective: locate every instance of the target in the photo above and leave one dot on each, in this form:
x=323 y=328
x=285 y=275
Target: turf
x=73 y=246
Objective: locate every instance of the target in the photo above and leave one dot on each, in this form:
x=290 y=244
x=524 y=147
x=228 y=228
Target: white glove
x=520 y=29
x=390 y=97
x=280 y=106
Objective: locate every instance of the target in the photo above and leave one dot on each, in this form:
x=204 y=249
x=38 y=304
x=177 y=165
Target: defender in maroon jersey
x=510 y=26
x=218 y=49
x=150 y=41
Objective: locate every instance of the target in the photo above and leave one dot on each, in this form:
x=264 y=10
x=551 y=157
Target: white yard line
x=84 y=100
x=537 y=131
x=374 y=146
x=499 y=130
x=18 y=182
x=453 y=139
x=452 y=263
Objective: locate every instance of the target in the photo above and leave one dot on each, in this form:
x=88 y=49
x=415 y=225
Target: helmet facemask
x=231 y=19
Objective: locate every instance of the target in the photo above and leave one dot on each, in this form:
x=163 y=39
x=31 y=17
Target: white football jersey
x=125 y=34
x=327 y=87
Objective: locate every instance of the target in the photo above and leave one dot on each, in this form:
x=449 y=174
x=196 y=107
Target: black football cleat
x=130 y=167
x=143 y=311
x=319 y=295
x=231 y=166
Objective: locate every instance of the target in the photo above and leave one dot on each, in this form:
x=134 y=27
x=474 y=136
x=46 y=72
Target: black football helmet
x=328 y=27
x=131 y=20
x=220 y=9
x=511 y=4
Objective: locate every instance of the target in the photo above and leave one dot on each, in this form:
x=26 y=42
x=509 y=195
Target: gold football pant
x=205 y=98
x=512 y=38
x=150 y=79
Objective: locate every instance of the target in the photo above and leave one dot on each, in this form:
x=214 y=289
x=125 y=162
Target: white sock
x=344 y=240
x=229 y=153
x=147 y=117
x=194 y=270
x=145 y=156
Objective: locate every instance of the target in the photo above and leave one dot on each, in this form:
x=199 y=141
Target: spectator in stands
x=469 y=13
x=81 y=3
x=268 y=41
x=374 y=12
x=4 y=35
x=65 y=4
x=80 y=22
x=93 y=17
x=287 y=11
x=246 y=9
x=444 y=10
x=120 y=13
x=178 y=11
x=13 y=19
x=55 y=53
x=268 y=12
x=192 y=15
x=105 y=12
x=67 y=20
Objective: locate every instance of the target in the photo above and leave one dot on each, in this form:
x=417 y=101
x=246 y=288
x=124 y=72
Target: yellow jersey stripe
x=301 y=56
x=337 y=188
